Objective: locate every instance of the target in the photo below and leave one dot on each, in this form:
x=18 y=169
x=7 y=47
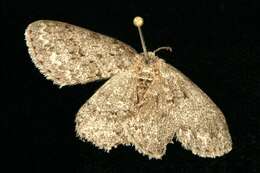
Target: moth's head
x=150 y=60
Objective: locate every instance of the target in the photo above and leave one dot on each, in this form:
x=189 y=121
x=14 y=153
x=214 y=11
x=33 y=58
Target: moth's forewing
x=68 y=55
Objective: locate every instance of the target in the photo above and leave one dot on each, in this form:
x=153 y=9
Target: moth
x=146 y=102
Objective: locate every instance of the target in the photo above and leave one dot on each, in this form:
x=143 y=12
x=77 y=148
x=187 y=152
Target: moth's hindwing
x=100 y=119
x=201 y=126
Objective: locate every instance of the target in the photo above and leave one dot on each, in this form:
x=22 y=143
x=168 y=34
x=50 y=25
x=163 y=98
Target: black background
x=216 y=44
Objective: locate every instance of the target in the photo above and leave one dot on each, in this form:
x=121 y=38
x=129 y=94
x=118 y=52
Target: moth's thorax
x=146 y=68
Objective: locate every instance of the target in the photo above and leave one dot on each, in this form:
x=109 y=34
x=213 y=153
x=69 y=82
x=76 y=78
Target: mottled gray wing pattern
x=68 y=55
x=200 y=125
x=100 y=119
x=116 y=114
x=174 y=106
x=148 y=113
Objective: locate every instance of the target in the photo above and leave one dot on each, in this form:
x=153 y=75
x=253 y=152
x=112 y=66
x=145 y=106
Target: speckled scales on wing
x=68 y=55
x=147 y=107
x=201 y=126
x=100 y=119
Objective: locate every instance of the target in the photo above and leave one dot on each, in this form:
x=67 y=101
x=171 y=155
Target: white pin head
x=138 y=21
